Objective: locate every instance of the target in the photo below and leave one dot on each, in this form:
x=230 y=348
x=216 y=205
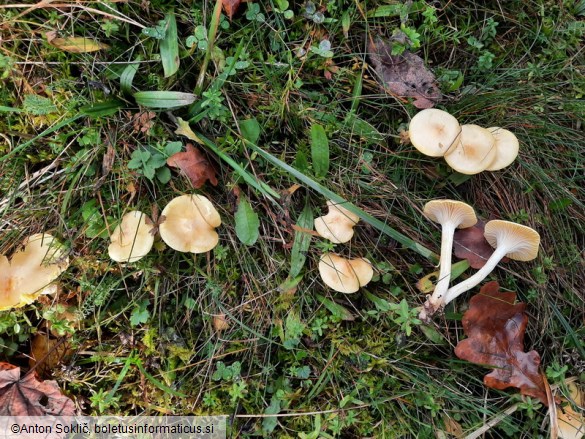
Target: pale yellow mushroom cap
x=345 y=275
x=189 y=224
x=522 y=241
x=433 y=132
x=337 y=225
x=131 y=239
x=459 y=213
x=507 y=147
x=473 y=152
x=30 y=271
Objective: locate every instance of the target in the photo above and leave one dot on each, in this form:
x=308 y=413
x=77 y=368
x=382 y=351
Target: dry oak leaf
x=404 y=75
x=194 y=165
x=27 y=396
x=470 y=244
x=230 y=7
x=495 y=329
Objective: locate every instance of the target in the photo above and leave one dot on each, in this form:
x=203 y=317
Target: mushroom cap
x=441 y=211
x=433 y=131
x=30 y=271
x=345 y=275
x=507 y=147
x=522 y=241
x=337 y=225
x=473 y=152
x=189 y=224
x=131 y=239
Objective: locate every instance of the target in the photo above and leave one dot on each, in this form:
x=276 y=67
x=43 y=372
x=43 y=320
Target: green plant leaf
x=301 y=242
x=247 y=223
x=319 y=150
x=250 y=129
x=140 y=314
x=127 y=77
x=339 y=311
x=101 y=109
x=164 y=99
x=169 y=47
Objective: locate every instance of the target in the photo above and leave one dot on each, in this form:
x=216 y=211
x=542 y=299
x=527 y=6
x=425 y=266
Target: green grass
x=302 y=361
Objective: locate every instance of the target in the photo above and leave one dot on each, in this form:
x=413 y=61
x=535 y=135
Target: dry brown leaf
x=495 y=327
x=230 y=7
x=74 y=44
x=27 y=396
x=470 y=244
x=143 y=121
x=194 y=165
x=48 y=352
x=404 y=75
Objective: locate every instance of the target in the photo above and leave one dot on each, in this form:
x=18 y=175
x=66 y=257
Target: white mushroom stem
x=499 y=253
x=447 y=235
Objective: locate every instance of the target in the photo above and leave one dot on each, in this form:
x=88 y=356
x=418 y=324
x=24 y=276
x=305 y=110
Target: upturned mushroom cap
x=459 y=213
x=473 y=152
x=131 y=239
x=189 y=224
x=433 y=131
x=345 y=275
x=337 y=225
x=522 y=241
x=507 y=147
x=30 y=271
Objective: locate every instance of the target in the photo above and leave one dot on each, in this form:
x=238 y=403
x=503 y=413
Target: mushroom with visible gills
x=345 y=275
x=337 y=225
x=507 y=148
x=31 y=271
x=132 y=238
x=433 y=131
x=509 y=239
x=451 y=215
x=189 y=224
x=473 y=152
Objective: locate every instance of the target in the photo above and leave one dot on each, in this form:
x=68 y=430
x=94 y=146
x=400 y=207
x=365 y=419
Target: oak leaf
x=27 y=396
x=194 y=165
x=470 y=244
x=495 y=328
x=230 y=7
x=404 y=75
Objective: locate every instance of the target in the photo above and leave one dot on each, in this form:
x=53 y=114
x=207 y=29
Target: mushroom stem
x=447 y=234
x=480 y=275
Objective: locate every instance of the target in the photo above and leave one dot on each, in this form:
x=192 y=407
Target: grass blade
x=374 y=222
x=301 y=242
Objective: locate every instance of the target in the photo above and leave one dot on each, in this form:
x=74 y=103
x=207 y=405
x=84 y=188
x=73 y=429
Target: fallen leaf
x=470 y=244
x=495 y=327
x=47 y=352
x=230 y=7
x=184 y=129
x=143 y=121
x=74 y=44
x=571 y=423
x=27 y=396
x=404 y=75
x=194 y=165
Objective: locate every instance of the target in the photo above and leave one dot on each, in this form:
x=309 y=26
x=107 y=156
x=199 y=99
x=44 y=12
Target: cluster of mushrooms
x=468 y=149
x=509 y=239
x=338 y=273
x=31 y=271
x=188 y=224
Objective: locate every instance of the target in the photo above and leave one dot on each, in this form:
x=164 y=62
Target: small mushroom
x=433 y=131
x=31 y=271
x=337 y=225
x=451 y=215
x=189 y=224
x=473 y=152
x=345 y=275
x=507 y=147
x=509 y=239
x=132 y=238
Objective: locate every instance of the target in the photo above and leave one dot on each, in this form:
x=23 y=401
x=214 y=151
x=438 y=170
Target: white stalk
x=447 y=235
x=481 y=274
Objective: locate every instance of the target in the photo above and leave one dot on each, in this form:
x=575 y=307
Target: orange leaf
x=495 y=329
x=230 y=7
x=194 y=165
x=27 y=396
